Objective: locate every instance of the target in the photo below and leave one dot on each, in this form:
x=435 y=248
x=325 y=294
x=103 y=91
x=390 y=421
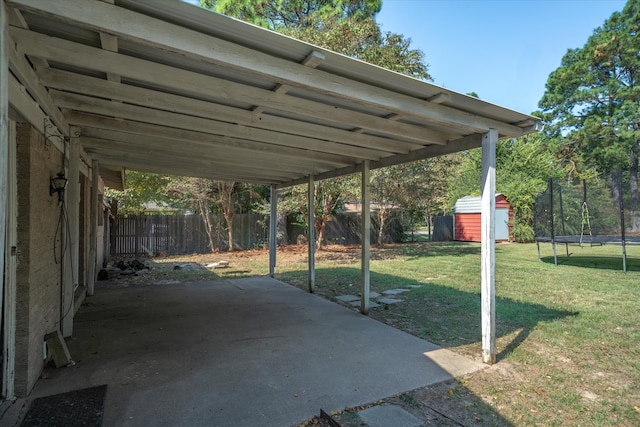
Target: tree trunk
x=206 y=217
x=228 y=217
x=382 y=219
x=633 y=181
x=114 y=227
x=281 y=235
x=615 y=187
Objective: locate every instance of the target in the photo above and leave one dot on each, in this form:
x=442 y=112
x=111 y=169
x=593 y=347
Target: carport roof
x=168 y=87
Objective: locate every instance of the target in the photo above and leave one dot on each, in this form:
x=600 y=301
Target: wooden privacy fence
x=152 y=235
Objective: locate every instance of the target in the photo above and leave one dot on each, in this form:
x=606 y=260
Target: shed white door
x=502 y=224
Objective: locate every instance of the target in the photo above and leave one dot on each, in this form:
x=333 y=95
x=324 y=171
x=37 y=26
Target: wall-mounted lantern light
x=57 y=185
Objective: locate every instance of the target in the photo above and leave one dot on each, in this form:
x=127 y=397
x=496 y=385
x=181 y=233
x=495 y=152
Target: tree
x=361 y=37
x=329 y=196
x=418 y=189
x=197 y=193
x=523 y=168
x=592 y=101
x=279 y=14
x=141 y=188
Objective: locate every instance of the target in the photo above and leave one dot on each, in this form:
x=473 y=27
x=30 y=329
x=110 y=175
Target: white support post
x=71 y=258
x=366 y=238
x=312 y=234
x=4 y=129
x=8 y=296
x=273 y=224
x=8 y=217
x=93 y=232
x=488 y=268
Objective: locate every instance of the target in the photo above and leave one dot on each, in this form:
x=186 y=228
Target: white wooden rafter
x=224 y=90
x=187 y=122
x=24 y=72
x=154 y=33
x=314 y=59
x=66 y=81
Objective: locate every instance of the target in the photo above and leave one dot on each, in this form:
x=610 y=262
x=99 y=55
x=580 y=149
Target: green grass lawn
x=568 y=336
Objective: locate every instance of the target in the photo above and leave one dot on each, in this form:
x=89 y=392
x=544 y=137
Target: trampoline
x=578 y=214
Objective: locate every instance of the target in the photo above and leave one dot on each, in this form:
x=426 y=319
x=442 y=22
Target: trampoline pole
x=538 y=245
x=622 y=225
x=553 y=241
x=564 y=231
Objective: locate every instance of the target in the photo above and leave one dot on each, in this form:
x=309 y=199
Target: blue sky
x=503 y=50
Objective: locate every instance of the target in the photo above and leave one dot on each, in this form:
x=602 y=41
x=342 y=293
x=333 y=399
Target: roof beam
x=154 y=33
x=154 y=146
x=168 y=156
x=64 y=51
x=466 y=143
x=314 y=59
x=65 y=80
x=182 y=121
x=27 y=77
x=142 y=163
x=87 y=121
x=110 y=43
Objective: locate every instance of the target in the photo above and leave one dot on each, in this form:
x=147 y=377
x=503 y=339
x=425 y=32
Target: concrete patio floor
x=246 y=352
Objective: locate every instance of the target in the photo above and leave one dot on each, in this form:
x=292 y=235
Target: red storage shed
x=467 y=215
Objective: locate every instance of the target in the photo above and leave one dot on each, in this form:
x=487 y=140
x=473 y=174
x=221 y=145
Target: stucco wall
x=38 y=273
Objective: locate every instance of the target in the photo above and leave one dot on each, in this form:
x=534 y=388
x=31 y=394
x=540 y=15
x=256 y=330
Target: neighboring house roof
x=167 y=87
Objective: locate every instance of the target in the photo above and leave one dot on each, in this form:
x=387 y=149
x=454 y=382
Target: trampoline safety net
x=583 y=214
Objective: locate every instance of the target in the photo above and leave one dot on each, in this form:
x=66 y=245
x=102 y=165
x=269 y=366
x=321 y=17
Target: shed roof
x=168 y=87
x=473 y=204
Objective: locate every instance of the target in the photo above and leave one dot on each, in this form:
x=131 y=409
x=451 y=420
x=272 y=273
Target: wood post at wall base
x=58 y=349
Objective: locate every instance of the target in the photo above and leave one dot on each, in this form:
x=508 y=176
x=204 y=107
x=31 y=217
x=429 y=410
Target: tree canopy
x=280 y=14
x=523 y=167
x=592 y=101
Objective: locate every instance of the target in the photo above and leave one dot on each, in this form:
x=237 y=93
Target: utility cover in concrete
x=388 y=415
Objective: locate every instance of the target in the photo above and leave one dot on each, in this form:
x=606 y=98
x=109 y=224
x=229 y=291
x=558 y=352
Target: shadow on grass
x=440 y=314
x=433 y=249
x=600 y=263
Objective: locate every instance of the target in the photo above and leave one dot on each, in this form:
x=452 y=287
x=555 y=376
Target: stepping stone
x=372 y=295
x=388 y=415
x=389 y=300
x=347 y=298
x=371 y=304
x=395 y=291
x=415 y=286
